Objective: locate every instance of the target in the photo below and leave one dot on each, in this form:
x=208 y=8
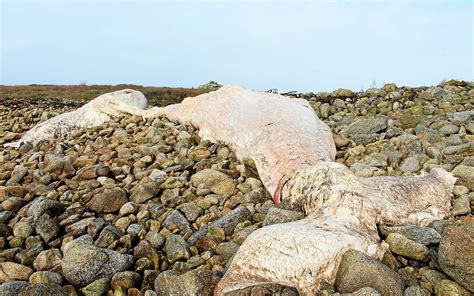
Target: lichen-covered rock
x=50 y=289
x=447 y=287
x=216 y=181
x=10 y=271
x=97 y=287
x=423 y=235
x=108 y=201
x=126 y=280
x=83 y=262
x=466 y=175
x=195 y=282
x=358 y=270
x=278 y=215
x=416 y=291
x=12 y=287
x=176 y=248
x=456 y=253
x=366 y=126
x=145 y=190
x=401 y=245
x=46 y=277
x=227 y=222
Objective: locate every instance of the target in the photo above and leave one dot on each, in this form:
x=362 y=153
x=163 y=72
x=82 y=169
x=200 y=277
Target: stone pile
x=146 y=207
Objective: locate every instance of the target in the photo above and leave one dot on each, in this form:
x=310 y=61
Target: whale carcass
x=294 y=153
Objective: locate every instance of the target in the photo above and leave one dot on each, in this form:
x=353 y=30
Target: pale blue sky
x=289 y=45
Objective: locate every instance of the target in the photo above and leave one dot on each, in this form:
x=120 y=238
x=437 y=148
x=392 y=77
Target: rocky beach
x=146 y=207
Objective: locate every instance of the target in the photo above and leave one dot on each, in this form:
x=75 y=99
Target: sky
x=288 y=45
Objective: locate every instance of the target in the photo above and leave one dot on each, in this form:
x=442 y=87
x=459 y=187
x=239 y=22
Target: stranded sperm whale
x=294 y=153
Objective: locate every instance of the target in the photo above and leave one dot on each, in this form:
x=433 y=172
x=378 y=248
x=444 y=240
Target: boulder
x=456 y=253
x=358 y=270
x=84 y=263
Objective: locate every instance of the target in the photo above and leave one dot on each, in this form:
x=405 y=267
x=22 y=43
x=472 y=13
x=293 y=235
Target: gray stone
x=217 y=182
x=176 y=248
x=358 y=270
x=28 y=255
x=367 y=126
x=466 y=176
x=449 y=129
x=439 y=225
x=456 y=253
x=462 y=149
x=241 y=235
x=12 y=287
x=408 y=275
x=13 y=203
x=227 y=249
x=191 y=283
x=266 y=289
x=108 y=235
x=324 y=110
x=42 y=206
x=441 y=94
x=190 y=210
x=46 y=277
x=155 y=239
x=47 y=227
x=146 y=189
x=22 y=229
x=97 y=287
x=175 y=217
x=367 y=291
x=5 y=216
x=108 y=201
x=470 y=127
x=461 y=206
x=126 y=280
x=58 y=165
x=158 y=175
x=278 y=215
x=423 y=235
x=134 y=229
x=50 y=289
x=83 y=262
x=18 y=173
x=416 y=291
x=410 y=165
x=227 y=222
x=462 y=116
x=430 y=277
x=403 y=246
x=342 y=92
x=170 y=197
x=376 y=160
x=447 y=287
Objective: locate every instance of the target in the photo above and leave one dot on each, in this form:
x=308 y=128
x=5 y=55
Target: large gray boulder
x=456 y=253
x=358 y=270
x=83 y=262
